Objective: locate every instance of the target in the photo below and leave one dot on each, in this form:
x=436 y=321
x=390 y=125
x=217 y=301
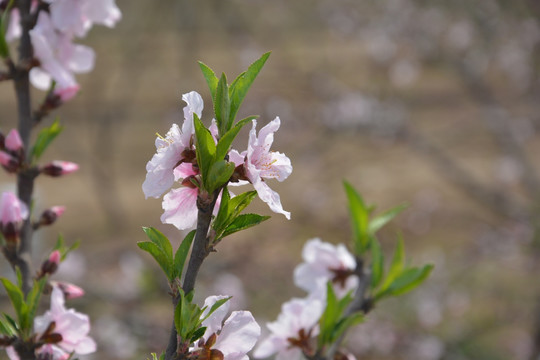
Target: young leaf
x=378 y=222
x=220 y=172
x=216 y=306
x=211 y=78
x=345 y=323
x=160 y=240
x=44 y=138
x=406 y=281
x=244 y=221
x=159 y=255
x=222 y=105
x=6 y=328
x=32 y=300
x=241 y=85
x=359 y=218
x=198 y=334
x=377 y=263
x=205 y=148
x=224 y=144
x=182 y=253
x=397 y=265
x=17 y=300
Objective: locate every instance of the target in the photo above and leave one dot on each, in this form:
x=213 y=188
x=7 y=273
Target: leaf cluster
x=400 y=278
x=188 y=317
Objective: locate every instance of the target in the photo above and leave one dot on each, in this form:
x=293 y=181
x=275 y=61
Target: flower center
x=302 y=341
x=341 y=275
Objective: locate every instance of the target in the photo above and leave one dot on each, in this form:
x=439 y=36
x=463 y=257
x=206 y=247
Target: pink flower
x=176 y=147
x=78 y=16
x=260 y=163
x=233 y=338
x=12 y=210
x=325 y=262
x=49 y=216
x=52 y=351
x=296 y=324
x=58 y=168
x=73 y=326
x=13 y=141
x=59 y=58
x=9 y=162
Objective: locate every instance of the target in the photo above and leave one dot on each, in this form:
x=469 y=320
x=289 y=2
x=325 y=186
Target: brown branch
x=201 y=249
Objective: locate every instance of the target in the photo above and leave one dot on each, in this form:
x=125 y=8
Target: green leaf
x=205 y=148
x=198 y=334
x=160 y=240
x=159 y=255
x=222 y=105
x=17 y=300
x=211 y=78
x=216 y=306
x=360 y=219
x=4 y=21
x=220 y=172
x=12 y=322
x=44 y=138
x=6 y=328
x=182 y=253
x=377 y=263
x=345 y=323
x=244 y=221
x=242 y=83
x=397 y=265
x=32 y=300
x=378 y=222
x=230 y=209
x=406 y=281
x=225 y=142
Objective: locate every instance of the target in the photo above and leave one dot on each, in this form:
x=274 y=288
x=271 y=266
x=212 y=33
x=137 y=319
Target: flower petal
x=180 y=207
x=238 y=335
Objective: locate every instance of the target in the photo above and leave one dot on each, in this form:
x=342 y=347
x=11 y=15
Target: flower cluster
x=175 y=161
x=58 y=23
x=292 y=334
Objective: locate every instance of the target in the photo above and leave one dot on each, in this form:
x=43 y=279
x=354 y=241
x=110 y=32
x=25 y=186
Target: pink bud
x=13 y=140
x=8 y=161
x=12 y=210
x=57 y=168
x=55 y=257
x=70 y=291
x=67 y=93
x=49 y=216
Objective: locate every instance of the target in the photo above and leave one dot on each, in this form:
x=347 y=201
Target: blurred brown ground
x=480 y=301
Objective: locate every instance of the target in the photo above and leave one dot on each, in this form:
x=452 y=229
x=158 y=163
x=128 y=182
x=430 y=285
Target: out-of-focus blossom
x=291 y=333
x=50 y=265
x=71 y=325
x=325 y=262
x=260 y=163
x=78 y=16
x=230 y=339
x=70 y=291
x=173 y=150
x=58 y=168
x=12 y=210
x=49 y=351
x=13 y=141
x=59 y=58
x=8 y=162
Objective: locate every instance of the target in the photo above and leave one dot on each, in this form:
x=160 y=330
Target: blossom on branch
x=325 y=262
x=293 y=331
x=71 y=325
x=12 y=213
x=229 y=339
x=259 y=163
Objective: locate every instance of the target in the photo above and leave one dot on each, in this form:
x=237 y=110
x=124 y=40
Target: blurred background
x=431 y=103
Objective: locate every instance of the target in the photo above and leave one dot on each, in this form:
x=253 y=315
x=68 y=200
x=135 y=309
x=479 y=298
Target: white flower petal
x=238 y=335
x=215 y=320
x=180 y=207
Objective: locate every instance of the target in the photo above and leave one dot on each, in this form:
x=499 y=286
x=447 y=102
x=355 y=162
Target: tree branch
x=200 y=251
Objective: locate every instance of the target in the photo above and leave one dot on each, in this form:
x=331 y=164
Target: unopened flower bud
x=49 y=216
x=50 y=265
x=13 y=141
x=8 y=162
x=67 y=93
x=58 y=168
x=70 y=291
x=12 y=213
